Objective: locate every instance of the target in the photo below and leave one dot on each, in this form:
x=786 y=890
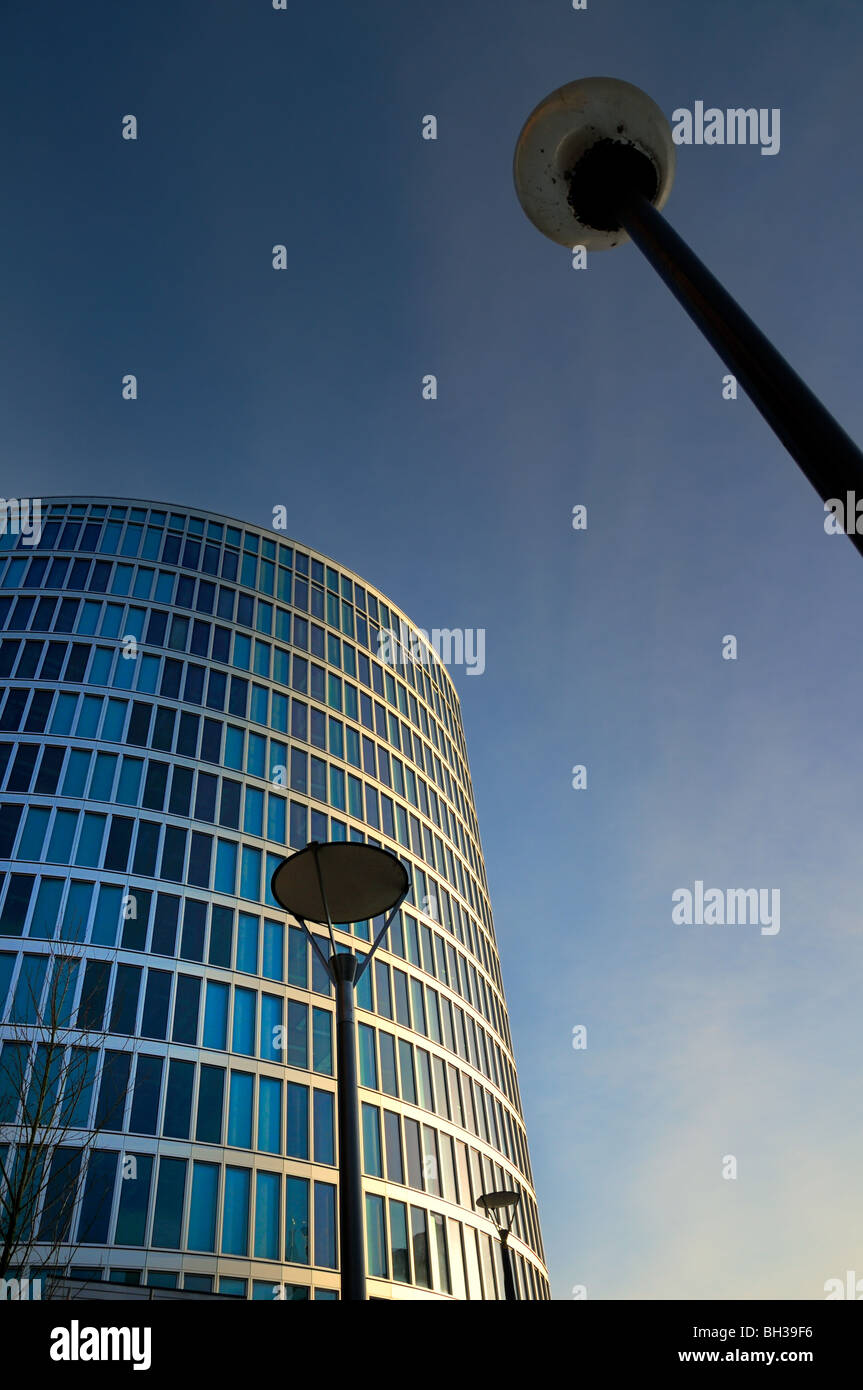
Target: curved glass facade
x=184 y=700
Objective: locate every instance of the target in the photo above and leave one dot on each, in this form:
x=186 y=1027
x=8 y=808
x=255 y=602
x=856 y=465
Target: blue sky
x=556 y=387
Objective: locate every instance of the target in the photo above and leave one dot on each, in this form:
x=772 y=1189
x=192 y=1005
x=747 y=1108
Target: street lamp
x=594 y=163
x=497 y=1205
x=344 y=882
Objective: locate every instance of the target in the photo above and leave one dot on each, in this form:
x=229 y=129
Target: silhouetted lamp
x=594 y=164
x=339 y=883
x=499 y=1206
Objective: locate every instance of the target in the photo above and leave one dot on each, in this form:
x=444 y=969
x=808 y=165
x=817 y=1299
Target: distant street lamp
x=594 y=163
x=343 y=882
x=497 y=1205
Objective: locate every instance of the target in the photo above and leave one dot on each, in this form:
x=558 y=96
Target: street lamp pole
x=342 y=882
x=818 y=444
x=344 y=968
x=508 y=1281
x=594 y=165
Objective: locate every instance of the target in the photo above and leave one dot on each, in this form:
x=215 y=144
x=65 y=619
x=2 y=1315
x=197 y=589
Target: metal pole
x=509 y=1292
x=828 y=457
x=351 y=1253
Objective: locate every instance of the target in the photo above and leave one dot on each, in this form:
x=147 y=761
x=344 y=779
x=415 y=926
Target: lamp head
x=582 y=151
x=498 y=1204
x=358 y=881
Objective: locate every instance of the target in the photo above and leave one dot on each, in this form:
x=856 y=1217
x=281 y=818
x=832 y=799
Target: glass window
x=420 y=1243
x=368 y=1066
x=439 y=1226
x=211 y=1095
x=188 y=995
x=134 y=1200
x=406 y=1071
x=156 y=1000
x=178 y=1099
x=235 y=1220
x=389 y=1078
x=98 y=1197
x=240 y=1109
x=324 y=1128
x=298 y=1034
x=170 y=1194
x=325 y=1225
x=216 y=1015
x=247 y=943
x=371 y=1126
x=250 y=874
x=124 y=1009
x=322 y=1043
x=245 y=1001
x=271 y=1027
x=376 y=1242
x=269 y=1115
x=399 y=1242
x=267 y=1187
x=202 y=1210
x=274 y=950
x=298 y=1122
x=393 y=1143
x=297 y=1220
x=414 y=1154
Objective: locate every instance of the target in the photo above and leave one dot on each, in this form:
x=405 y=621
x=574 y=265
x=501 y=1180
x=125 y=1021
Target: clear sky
x=556 y=387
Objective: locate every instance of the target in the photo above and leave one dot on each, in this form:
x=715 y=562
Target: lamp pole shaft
x=351 y=1253
x=818 y=444
x=509 y=1292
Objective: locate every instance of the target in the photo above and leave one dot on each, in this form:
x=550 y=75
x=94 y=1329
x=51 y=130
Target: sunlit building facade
x=186 y=699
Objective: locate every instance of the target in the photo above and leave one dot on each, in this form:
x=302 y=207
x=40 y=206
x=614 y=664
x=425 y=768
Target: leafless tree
x=51 y=1070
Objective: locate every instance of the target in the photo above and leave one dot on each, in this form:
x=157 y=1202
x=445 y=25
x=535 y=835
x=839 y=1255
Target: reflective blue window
x=267 y=1186
x=145 y=1101
x=244 y=1021
x=211 y=1092
x=298 y=1034
x=250 y=874
x=178 y=1099
x=202 y=1210
x=226 y=866
x=247 y=943
x=322 y=1041
x=134 y=1200
x=296 y=1221
x=98 y=1197
x=298 y=1122
x=216 y=1015
x=324 y=1128
x=274 y=950
x=271 y=1027
x=325 y=1225
x=235 y=1220
x=270 y=1115
x=240 y=1109
x=253 y=812
x=234 y=745
x=170 y=1193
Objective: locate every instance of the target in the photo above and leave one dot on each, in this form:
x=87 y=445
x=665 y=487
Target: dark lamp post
x=343 y=882
x=594 y=165
x=499 y=1205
